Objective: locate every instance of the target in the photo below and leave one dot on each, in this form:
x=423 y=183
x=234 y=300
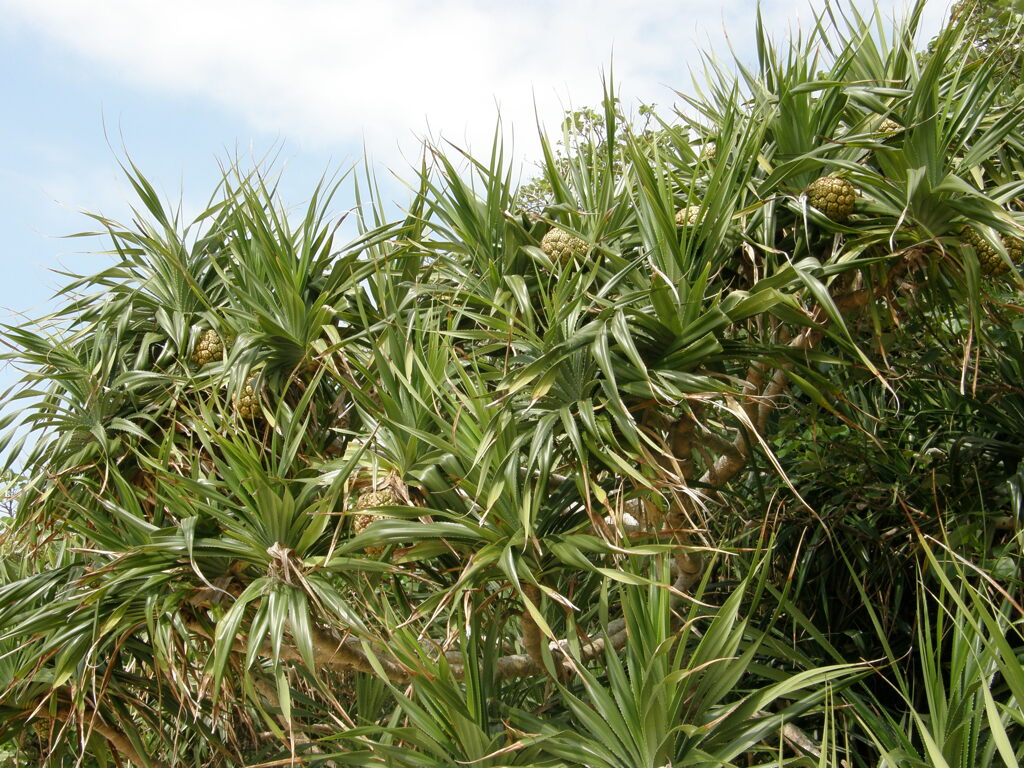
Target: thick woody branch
x=346 y=653
x=799 y=740
x=752 y=388
x=759 y=398
x=724 y=467
x=349 y=653
x=270 y=694
x=807 y=339
x=688 y=567
x=92 y=721
x=757 y=409
x=780 y=380
x=718 y=443
x=532 y=637
x=682 y=446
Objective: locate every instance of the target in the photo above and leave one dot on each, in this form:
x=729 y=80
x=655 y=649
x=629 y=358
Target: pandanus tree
x=481 y=485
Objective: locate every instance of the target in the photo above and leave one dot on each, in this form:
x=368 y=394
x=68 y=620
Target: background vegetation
x=665 y=459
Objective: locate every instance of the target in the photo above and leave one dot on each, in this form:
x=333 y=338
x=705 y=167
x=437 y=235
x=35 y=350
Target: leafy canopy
x=726 y=480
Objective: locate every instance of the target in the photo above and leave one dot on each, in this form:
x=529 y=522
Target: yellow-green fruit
x=370 y=499
x=688 y=216
x=888 y=125
x=209 y=348
x=1014 y=247
x=362 y=521
x=562 y=247
x=247 y=404
x=833 y=196
x=988 y=257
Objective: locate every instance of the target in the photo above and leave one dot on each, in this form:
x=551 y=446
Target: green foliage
x=736 y=487
x=994 y=30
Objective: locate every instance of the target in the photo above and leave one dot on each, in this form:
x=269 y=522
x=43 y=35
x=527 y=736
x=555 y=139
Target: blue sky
x=182 y=86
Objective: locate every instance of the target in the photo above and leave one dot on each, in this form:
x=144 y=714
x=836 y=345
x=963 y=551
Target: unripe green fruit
x=562 y=247
x=385 y=498
x=247 y=403
x=988 y=257
x=833 y=196
x=688 y=216
x=209 y=348
x=888 y=125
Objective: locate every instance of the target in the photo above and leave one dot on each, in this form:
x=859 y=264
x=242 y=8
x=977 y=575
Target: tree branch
x=348 y=653
x=531 y=632
x=92 y=721
x=758 y=403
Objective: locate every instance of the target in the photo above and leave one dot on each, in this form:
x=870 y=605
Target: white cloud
x=328 y=71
